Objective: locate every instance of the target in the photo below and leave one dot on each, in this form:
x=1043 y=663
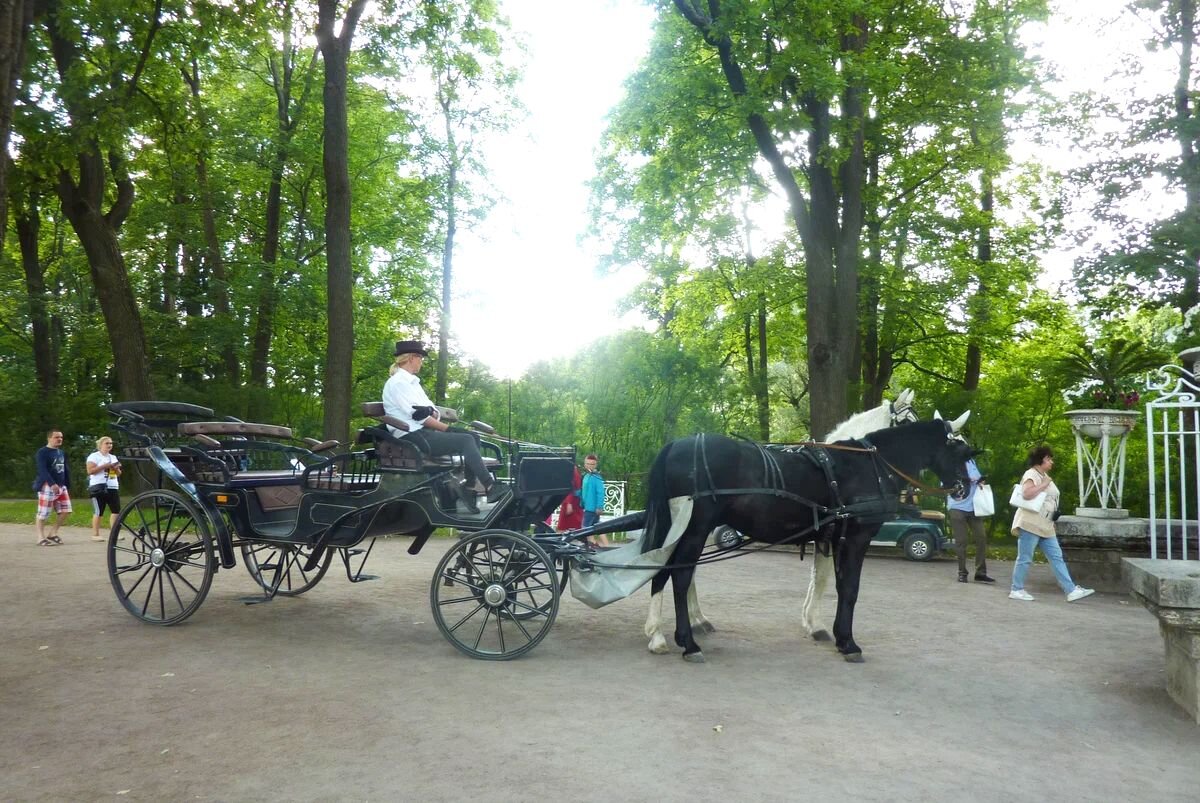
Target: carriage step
x=362 y=578
x=256 y=600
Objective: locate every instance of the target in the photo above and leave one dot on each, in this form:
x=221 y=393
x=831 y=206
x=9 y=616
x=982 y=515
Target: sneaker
x=1079 y=592
x=980 y=577
x=496 y=492
x=1021 y=594
x=962 y=577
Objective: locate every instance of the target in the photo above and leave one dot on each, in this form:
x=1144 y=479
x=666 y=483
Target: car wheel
x=919 y=546
x=726 y=537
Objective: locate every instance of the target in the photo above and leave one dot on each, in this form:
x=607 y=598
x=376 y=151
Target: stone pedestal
x=1094 y=548
x=1170 y=589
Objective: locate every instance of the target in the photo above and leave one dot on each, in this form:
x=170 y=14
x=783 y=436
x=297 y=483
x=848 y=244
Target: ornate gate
x=1173 y=452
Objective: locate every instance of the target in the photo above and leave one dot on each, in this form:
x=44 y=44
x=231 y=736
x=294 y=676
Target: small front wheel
x=281 y=567
x=160 y=557
x=494 y=595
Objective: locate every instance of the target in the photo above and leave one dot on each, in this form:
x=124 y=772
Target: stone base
x=1093 y=548
x=1170 y=589
x=1102 y=512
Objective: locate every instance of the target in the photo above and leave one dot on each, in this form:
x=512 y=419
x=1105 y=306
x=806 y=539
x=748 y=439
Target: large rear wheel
x=494 y=595
x=281 y=566
x=163 y=567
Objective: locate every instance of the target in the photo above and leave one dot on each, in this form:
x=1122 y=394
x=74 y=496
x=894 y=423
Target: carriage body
x=220 y=486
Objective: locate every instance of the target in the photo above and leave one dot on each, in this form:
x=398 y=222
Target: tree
x=339 y=351
x=16 y=17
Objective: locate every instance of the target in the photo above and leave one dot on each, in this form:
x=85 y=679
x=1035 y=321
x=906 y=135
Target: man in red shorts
x=53 y=477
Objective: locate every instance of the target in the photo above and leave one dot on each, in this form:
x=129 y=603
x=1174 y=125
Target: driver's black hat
x=411 y=347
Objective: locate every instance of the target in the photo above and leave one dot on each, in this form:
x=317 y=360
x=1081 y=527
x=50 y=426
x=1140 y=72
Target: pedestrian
x=570 y=512
x=53 y=477
x=964 y=522
x=405 y=400
x=104 y=471
x=1035 y=530
x=593 y=496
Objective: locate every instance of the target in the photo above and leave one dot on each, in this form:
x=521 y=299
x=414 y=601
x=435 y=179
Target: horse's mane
x=859 y=424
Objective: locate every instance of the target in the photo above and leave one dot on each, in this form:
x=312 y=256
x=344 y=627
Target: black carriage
x=219 y=486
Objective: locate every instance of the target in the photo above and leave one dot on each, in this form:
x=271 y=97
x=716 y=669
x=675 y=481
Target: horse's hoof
x=658 y=645
x=705 y=627
x=821 y=635
x=694 y=657
x=853 y=657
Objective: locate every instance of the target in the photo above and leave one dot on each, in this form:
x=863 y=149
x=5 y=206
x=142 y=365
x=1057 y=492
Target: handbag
x=1033 y=505
x=984 y=501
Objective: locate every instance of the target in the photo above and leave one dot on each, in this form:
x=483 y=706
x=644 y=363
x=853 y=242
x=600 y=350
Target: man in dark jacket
x=53 y=477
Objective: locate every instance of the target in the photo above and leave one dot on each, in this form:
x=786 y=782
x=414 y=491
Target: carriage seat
x=240 y=429
x=396 y=452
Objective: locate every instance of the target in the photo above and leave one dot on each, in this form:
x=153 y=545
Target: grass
x=22 y=512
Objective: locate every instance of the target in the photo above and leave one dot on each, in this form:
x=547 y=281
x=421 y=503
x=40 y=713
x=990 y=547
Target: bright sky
x=528 y=289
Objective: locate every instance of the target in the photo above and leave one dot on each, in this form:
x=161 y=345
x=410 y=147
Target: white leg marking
x=653 y=629
x=818 y=580
x=695 y=615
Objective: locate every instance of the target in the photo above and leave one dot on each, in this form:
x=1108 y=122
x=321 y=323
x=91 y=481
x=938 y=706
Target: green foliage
x=1103 y=373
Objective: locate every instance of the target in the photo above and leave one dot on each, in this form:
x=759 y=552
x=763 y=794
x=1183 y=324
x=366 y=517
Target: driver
x=405 y=400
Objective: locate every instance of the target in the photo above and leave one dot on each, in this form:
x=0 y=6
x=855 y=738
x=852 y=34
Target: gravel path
x=350 y=692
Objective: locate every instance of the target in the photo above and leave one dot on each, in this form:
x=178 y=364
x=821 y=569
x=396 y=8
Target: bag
x=1033 y=505
x=984 y=501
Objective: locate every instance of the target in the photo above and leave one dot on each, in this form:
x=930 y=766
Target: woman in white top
x=1035 y=530
x=103 y=470
x=405 y=400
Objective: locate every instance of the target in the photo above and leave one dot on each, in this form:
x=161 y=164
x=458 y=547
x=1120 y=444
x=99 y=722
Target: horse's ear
x=957 y=423
x=937 y=416
x=906 y=396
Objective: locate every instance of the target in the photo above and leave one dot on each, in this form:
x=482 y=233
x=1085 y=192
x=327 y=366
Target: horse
x=838 y=493
x=886 y=415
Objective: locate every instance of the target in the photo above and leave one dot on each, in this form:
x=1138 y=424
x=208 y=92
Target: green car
x=920 y=533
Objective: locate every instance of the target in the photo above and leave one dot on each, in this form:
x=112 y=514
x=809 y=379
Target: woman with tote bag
x=1036 y=529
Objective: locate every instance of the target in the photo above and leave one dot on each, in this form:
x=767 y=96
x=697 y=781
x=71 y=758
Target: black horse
x=837 y=496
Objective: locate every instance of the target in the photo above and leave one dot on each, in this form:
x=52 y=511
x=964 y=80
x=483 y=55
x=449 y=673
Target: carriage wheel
x=266 y=562
x=164 y=566
x=494 y=595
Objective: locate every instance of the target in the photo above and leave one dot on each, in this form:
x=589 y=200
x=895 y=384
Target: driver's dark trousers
x=962 y=522
x=437 y=444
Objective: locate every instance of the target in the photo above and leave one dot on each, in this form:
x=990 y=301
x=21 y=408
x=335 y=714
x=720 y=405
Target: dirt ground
x=350 y=693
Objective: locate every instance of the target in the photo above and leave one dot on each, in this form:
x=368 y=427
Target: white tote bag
x=1033 y=505
x=984 y=501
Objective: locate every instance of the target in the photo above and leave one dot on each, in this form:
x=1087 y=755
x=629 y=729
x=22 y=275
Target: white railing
x=614 y=498
x=1173 y=454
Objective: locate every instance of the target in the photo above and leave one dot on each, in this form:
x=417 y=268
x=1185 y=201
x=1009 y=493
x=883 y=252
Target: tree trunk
x=97 y=230
x=339 y=351
x=762 y=388
x=16 y=17
x=45 y=360
x=1185 y=132
x=830 y=246
x=447 y=263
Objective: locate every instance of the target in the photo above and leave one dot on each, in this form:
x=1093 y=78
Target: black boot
x=496 y=492
x=981 y=577
x=466 y=496
x=962 y=576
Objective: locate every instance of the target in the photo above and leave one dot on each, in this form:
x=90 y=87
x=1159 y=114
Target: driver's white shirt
x=401 y=393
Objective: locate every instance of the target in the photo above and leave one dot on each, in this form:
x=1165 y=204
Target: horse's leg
x=658 y=642
x=695 y=615
x=686 y=553
x=851 y=550
x=818 y=579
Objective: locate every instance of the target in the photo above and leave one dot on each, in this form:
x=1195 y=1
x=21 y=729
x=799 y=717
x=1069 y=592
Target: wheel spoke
x=183 y=579
x=482 y=627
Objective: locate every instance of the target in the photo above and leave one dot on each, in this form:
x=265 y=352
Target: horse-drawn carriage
x=220 y=486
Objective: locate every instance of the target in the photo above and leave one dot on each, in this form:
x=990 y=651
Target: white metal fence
x=1173 y=452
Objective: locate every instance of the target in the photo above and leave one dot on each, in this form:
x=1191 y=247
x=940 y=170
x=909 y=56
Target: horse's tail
x=658 y=511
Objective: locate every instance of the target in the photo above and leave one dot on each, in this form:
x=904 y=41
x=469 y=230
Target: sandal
x=57 y=541
x=46 y=542
x=99 y=538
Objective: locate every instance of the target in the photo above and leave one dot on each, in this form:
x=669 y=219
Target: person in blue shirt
x=593 y=496
x=53 y=477
x=963 y=521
